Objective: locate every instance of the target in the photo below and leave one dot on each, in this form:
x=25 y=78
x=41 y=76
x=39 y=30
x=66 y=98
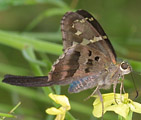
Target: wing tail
x=28 y=81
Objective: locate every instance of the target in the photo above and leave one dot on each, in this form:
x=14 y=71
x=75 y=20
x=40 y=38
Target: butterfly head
x=125 y=68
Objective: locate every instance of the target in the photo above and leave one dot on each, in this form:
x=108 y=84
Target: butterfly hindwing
x=77 y=62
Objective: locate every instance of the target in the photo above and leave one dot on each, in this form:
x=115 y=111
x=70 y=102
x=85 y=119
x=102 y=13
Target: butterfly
x=88 y=61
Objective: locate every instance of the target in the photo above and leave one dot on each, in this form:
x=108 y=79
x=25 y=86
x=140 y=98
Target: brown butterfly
x=89 y=59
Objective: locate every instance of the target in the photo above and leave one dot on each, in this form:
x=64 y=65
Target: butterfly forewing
x=81 y=27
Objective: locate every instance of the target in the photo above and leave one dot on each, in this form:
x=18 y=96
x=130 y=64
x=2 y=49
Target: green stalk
x=20 y=42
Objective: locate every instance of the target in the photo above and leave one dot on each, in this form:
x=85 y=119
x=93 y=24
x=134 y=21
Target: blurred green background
x=30 y=41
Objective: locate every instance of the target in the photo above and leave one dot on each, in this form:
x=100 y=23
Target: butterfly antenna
x=137 y=93
x=138 y=73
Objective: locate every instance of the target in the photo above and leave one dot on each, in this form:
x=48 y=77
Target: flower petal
x=61 y=99
x=97 y=111
x=54 y=111
x=110 y=104
x=121 y=109
x=136 y=108
x=60 y=117
x=108 y=100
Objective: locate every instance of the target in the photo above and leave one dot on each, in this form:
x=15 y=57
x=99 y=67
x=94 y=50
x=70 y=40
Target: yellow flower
x=60 y=112
x=123 y=106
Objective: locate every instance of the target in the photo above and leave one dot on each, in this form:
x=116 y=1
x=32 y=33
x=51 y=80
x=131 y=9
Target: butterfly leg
x=121 y=88
x=101 y=99
x=97 y=88
x=114 y=90
x=123 y=85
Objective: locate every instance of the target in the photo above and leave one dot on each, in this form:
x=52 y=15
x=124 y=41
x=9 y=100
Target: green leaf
x=21 y=42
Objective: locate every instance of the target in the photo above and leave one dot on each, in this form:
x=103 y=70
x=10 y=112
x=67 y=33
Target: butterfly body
x=89 y=59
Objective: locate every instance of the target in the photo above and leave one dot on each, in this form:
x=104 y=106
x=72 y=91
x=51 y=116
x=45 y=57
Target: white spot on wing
x=105 y=37
x=95 y=39
x=75 y=43
x=78 y=33
x=85 y=42
x=77 y=20
x=82 y=20
x=72 y=25
x=91 y=19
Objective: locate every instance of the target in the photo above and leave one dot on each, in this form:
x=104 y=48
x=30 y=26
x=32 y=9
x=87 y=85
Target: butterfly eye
x=97 y=58
x=124 y=66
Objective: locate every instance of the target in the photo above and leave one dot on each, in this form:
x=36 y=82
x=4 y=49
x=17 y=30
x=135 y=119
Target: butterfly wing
x=87 y=52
